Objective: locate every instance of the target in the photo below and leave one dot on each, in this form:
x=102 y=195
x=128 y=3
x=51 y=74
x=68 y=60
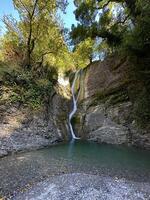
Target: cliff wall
x=110 y=104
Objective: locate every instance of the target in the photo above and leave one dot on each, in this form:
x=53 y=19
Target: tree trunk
x=30 y=41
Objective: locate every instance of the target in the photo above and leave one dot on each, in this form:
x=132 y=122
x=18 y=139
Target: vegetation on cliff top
x=32 y=50
x=114 y=24
x=36 y=47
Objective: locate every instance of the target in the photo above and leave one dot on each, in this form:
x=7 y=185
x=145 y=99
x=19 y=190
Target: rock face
x=24 y=129
x=106 y=104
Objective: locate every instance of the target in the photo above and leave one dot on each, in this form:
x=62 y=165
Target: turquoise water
x=96 y=155
x=106 y=160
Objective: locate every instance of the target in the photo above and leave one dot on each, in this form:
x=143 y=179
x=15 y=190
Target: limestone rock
x=108 y=94
x=23 y=129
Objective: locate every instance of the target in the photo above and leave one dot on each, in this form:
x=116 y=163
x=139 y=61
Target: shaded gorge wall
x=108 y=104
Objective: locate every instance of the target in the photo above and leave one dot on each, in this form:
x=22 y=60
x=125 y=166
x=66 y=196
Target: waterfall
x=74 y=100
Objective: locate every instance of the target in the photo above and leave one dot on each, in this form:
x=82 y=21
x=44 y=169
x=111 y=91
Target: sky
x=6 y=7
x=69 y=18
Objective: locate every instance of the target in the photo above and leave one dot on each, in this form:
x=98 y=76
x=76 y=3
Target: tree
x=115 y=21
x=137 y=40
x=37 y=28
x=84 y=53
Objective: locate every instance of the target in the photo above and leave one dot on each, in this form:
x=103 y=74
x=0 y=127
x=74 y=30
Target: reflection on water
x=71 y=147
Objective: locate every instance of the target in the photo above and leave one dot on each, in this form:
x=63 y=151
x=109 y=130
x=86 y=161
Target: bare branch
x=104 y=6
x=40 y=61
x=34 y=7
x=10 y=23
x=46 y=53
x=25 y=7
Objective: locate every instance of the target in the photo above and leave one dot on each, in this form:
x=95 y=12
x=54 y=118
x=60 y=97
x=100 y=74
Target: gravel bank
x=79 y=186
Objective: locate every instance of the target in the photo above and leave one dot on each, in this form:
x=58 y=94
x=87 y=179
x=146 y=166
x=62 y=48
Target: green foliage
x=137 y=41
x=37 y=37
x=83 y=53
x=32 y=51
x=4 y=68
x=123 y=25
x=28 y=90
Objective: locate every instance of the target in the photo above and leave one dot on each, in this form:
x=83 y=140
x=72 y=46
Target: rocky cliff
x=108 y=103
x=23 y=129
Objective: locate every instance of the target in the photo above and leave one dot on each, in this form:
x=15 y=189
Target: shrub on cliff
x=26 y=88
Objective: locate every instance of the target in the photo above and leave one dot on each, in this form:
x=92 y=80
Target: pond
x=24 y=169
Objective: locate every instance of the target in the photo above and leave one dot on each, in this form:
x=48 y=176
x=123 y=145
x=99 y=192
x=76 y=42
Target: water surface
x=18 y=170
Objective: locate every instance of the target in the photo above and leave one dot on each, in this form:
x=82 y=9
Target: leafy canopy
x=121 y=24
x=37 y=34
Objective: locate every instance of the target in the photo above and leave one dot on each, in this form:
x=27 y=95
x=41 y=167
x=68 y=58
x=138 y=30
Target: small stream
x=23 y=169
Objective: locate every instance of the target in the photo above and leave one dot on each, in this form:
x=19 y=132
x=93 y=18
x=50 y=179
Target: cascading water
x=74 y=106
